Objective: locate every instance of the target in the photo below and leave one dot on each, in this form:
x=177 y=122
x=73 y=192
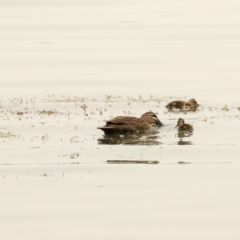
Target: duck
x=191 y=105
x=124 y=124
x=184 y=127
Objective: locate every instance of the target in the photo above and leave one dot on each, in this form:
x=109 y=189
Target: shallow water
x=54 y=163
x=36 y=125
x=66 y=67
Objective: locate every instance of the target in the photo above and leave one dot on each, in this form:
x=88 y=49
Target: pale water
x=68 y=66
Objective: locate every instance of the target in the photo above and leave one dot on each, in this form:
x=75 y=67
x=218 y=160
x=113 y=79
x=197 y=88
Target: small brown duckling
x=191 y=105
x=184 y=127
x=123 y=124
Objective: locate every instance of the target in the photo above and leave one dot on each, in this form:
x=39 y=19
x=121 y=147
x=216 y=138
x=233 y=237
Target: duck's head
x=193 y=103
x=151 y=118
x=180 y=122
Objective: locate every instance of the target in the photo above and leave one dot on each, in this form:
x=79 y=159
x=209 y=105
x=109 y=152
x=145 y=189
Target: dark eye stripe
x=155 y=118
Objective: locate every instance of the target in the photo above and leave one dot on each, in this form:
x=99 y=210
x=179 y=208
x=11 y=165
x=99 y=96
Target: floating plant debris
x=131 y=162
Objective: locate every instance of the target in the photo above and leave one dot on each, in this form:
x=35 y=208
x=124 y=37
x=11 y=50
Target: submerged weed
x=74 y=155
x=8 y=135
x=225 y=108
x=19 y=113
x=45 y=137
x=49 y=112
x=107 y=98
x=74 y=139
x=84 y=107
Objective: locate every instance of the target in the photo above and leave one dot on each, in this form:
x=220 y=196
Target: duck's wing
x=175 y=104
x=121 y=120
x=186 y=127
x=124 y=124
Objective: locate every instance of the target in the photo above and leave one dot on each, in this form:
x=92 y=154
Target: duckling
x=123 y=124
x=184 y=127
x=191 y=105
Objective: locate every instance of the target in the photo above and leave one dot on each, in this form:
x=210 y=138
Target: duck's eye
x=153 y=115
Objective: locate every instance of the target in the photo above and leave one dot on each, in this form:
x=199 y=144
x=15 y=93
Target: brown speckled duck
x=184 y=127
x=123 y=124
x=191 y=105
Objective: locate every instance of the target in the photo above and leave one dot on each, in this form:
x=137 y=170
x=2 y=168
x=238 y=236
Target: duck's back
x=123 y=124
x=176 y=104
x=120 y=120
x=186 y=127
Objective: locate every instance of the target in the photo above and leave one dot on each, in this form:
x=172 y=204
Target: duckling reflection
x=147 y=137
x=181 y=142
x=184 y=134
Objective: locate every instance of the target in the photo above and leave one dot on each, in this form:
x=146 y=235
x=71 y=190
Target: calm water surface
x=118 y=58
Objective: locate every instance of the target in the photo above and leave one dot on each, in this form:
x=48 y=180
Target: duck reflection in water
x=147 y=137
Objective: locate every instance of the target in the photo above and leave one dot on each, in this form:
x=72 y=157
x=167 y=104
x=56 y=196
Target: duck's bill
x=159 y=123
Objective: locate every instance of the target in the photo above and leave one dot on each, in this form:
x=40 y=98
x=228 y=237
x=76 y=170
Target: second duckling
x=184 y=127
x=191 y=105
